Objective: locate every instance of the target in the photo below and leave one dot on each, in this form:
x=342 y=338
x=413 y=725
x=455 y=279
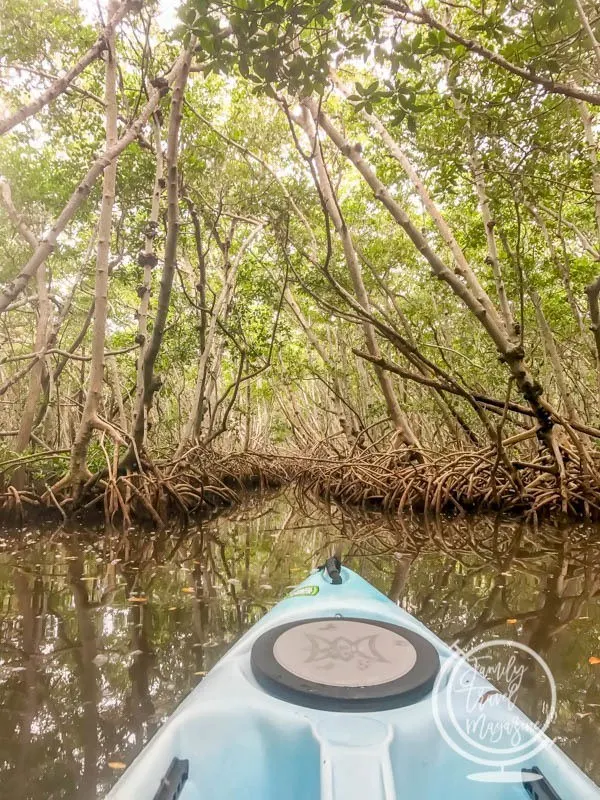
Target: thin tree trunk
x=593 y=292
x=150 y=385
x=247 y=419
x=89 y=417
x=17 y=220
x=592 y=153
x=553 y=355
x=563 y=270
x=36 y=374
x=399 y=419
x=211 y=399
x=201 y=284
x=590 y=32
x=114 y=382
x=594 y=288
x=148 y=260
x=463 y=268
x=49 y=242
x=194 y=423
x=41 y=334
x=338 y=393
x=489 y=223
x=511 y=353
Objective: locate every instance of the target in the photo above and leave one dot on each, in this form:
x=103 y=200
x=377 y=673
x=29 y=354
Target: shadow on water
x=101 y=636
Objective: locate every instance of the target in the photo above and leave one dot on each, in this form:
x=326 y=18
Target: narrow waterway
x=102 y=635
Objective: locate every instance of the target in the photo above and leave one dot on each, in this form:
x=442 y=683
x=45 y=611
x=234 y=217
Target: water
x=102 y=635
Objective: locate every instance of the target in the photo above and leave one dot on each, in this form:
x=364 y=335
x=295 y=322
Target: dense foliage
x=369 y=218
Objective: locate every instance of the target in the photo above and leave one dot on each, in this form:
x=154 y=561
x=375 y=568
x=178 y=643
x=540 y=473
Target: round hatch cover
x=345 y=663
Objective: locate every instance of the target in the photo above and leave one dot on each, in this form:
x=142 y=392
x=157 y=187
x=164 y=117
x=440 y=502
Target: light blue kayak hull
x=241 y=742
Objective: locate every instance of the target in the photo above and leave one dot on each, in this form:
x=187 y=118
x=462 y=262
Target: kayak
x=337 y=693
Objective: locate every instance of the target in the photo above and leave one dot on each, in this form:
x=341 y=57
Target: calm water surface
x=101 y=636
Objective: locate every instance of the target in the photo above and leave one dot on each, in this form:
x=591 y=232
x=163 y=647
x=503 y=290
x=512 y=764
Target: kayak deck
x=242 y=741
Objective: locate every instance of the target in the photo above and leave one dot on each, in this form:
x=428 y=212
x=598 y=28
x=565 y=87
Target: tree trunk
x=399 y=419
x=114 y=381
x=193 y=425
x=36 y=374
x=489 y=223
x=462 y=266
x=95 y=378
x=564 y=271
x=338 y=393
x=49 y=242
x=586 y=119
x=593 y=291
x=148 y=260
x=594 y=288
x=144 y=400
x=553 y=355
x=41 y=334
x=510 y=353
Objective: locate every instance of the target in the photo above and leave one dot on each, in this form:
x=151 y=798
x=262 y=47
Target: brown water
x=88 y=672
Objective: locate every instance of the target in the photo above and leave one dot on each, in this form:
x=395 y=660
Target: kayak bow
x=338 y=694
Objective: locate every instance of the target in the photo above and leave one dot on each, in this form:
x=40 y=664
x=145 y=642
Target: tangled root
x=452 y=483
x=203 y=480
x=200 y=481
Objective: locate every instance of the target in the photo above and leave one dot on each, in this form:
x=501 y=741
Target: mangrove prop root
x=454 y=483
x=200 y=480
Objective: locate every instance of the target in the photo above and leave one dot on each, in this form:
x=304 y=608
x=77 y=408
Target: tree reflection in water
x=102 y=635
